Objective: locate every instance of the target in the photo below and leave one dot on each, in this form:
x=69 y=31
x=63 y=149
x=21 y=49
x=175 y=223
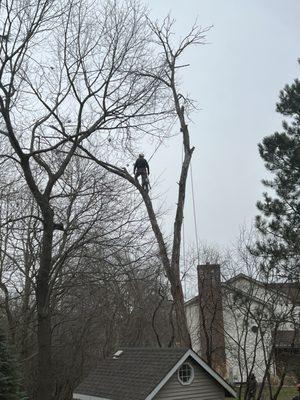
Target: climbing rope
x=183 y=244
x=156 y=149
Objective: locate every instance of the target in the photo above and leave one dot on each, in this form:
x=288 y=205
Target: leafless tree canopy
x=82 y=85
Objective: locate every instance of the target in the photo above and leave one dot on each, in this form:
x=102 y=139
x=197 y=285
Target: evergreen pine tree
x=279 y=219
x=9 y=376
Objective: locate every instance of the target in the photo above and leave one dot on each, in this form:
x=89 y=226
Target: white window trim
x=192 y=374
x=78 y=396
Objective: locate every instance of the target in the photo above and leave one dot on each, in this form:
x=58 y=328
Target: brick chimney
x=211 y=329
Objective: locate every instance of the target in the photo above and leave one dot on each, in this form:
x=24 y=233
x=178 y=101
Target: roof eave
x=79 y=396
x=190 y=353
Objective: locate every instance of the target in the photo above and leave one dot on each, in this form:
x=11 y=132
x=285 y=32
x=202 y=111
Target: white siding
x=203 y=387
x=241 y=346
x=192 y=316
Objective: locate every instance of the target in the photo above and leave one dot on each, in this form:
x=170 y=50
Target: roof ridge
x=152 y=347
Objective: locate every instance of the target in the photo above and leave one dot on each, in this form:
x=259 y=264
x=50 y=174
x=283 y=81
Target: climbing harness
x=145 y=183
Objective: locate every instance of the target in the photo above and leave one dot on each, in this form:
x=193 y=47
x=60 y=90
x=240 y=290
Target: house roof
x=194 y=300
x=139 y=373
x=288 y=290
x=291 y=290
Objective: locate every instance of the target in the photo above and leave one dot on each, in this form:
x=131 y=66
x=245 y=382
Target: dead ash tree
x=165 y=72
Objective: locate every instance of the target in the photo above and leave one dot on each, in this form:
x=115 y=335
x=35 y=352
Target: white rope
x=183 y=243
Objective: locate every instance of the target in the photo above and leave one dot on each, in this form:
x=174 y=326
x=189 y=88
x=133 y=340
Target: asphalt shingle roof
x=131 y=376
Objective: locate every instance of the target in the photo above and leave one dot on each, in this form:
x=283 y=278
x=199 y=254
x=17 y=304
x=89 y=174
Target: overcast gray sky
x=236 y=78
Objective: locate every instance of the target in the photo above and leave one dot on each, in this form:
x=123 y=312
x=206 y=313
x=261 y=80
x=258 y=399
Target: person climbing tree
x=141 y=167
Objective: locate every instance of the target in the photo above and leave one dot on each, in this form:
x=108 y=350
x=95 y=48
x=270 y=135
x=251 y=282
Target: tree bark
x=45 y=381
x=183 y=334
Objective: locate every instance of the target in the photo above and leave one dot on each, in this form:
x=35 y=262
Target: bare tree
x=166 y=75
x=103 y=256
x=95 y=80
x=56 y=90
x=259 y=315
x=259 y=321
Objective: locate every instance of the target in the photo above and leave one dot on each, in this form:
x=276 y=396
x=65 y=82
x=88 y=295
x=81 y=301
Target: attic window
x=185 y=374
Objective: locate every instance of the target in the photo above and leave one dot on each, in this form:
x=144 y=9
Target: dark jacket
x=141 y=163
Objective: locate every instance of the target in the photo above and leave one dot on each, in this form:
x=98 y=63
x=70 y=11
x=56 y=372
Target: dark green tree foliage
x=279 y=222
x=9 y=376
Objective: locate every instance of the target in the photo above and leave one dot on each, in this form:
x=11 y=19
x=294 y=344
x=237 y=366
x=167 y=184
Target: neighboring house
x=243 y=325
x=153 y=373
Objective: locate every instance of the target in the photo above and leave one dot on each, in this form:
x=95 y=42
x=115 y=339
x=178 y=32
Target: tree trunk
x=45 y=378
x=183 y=335
x=171 y=267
